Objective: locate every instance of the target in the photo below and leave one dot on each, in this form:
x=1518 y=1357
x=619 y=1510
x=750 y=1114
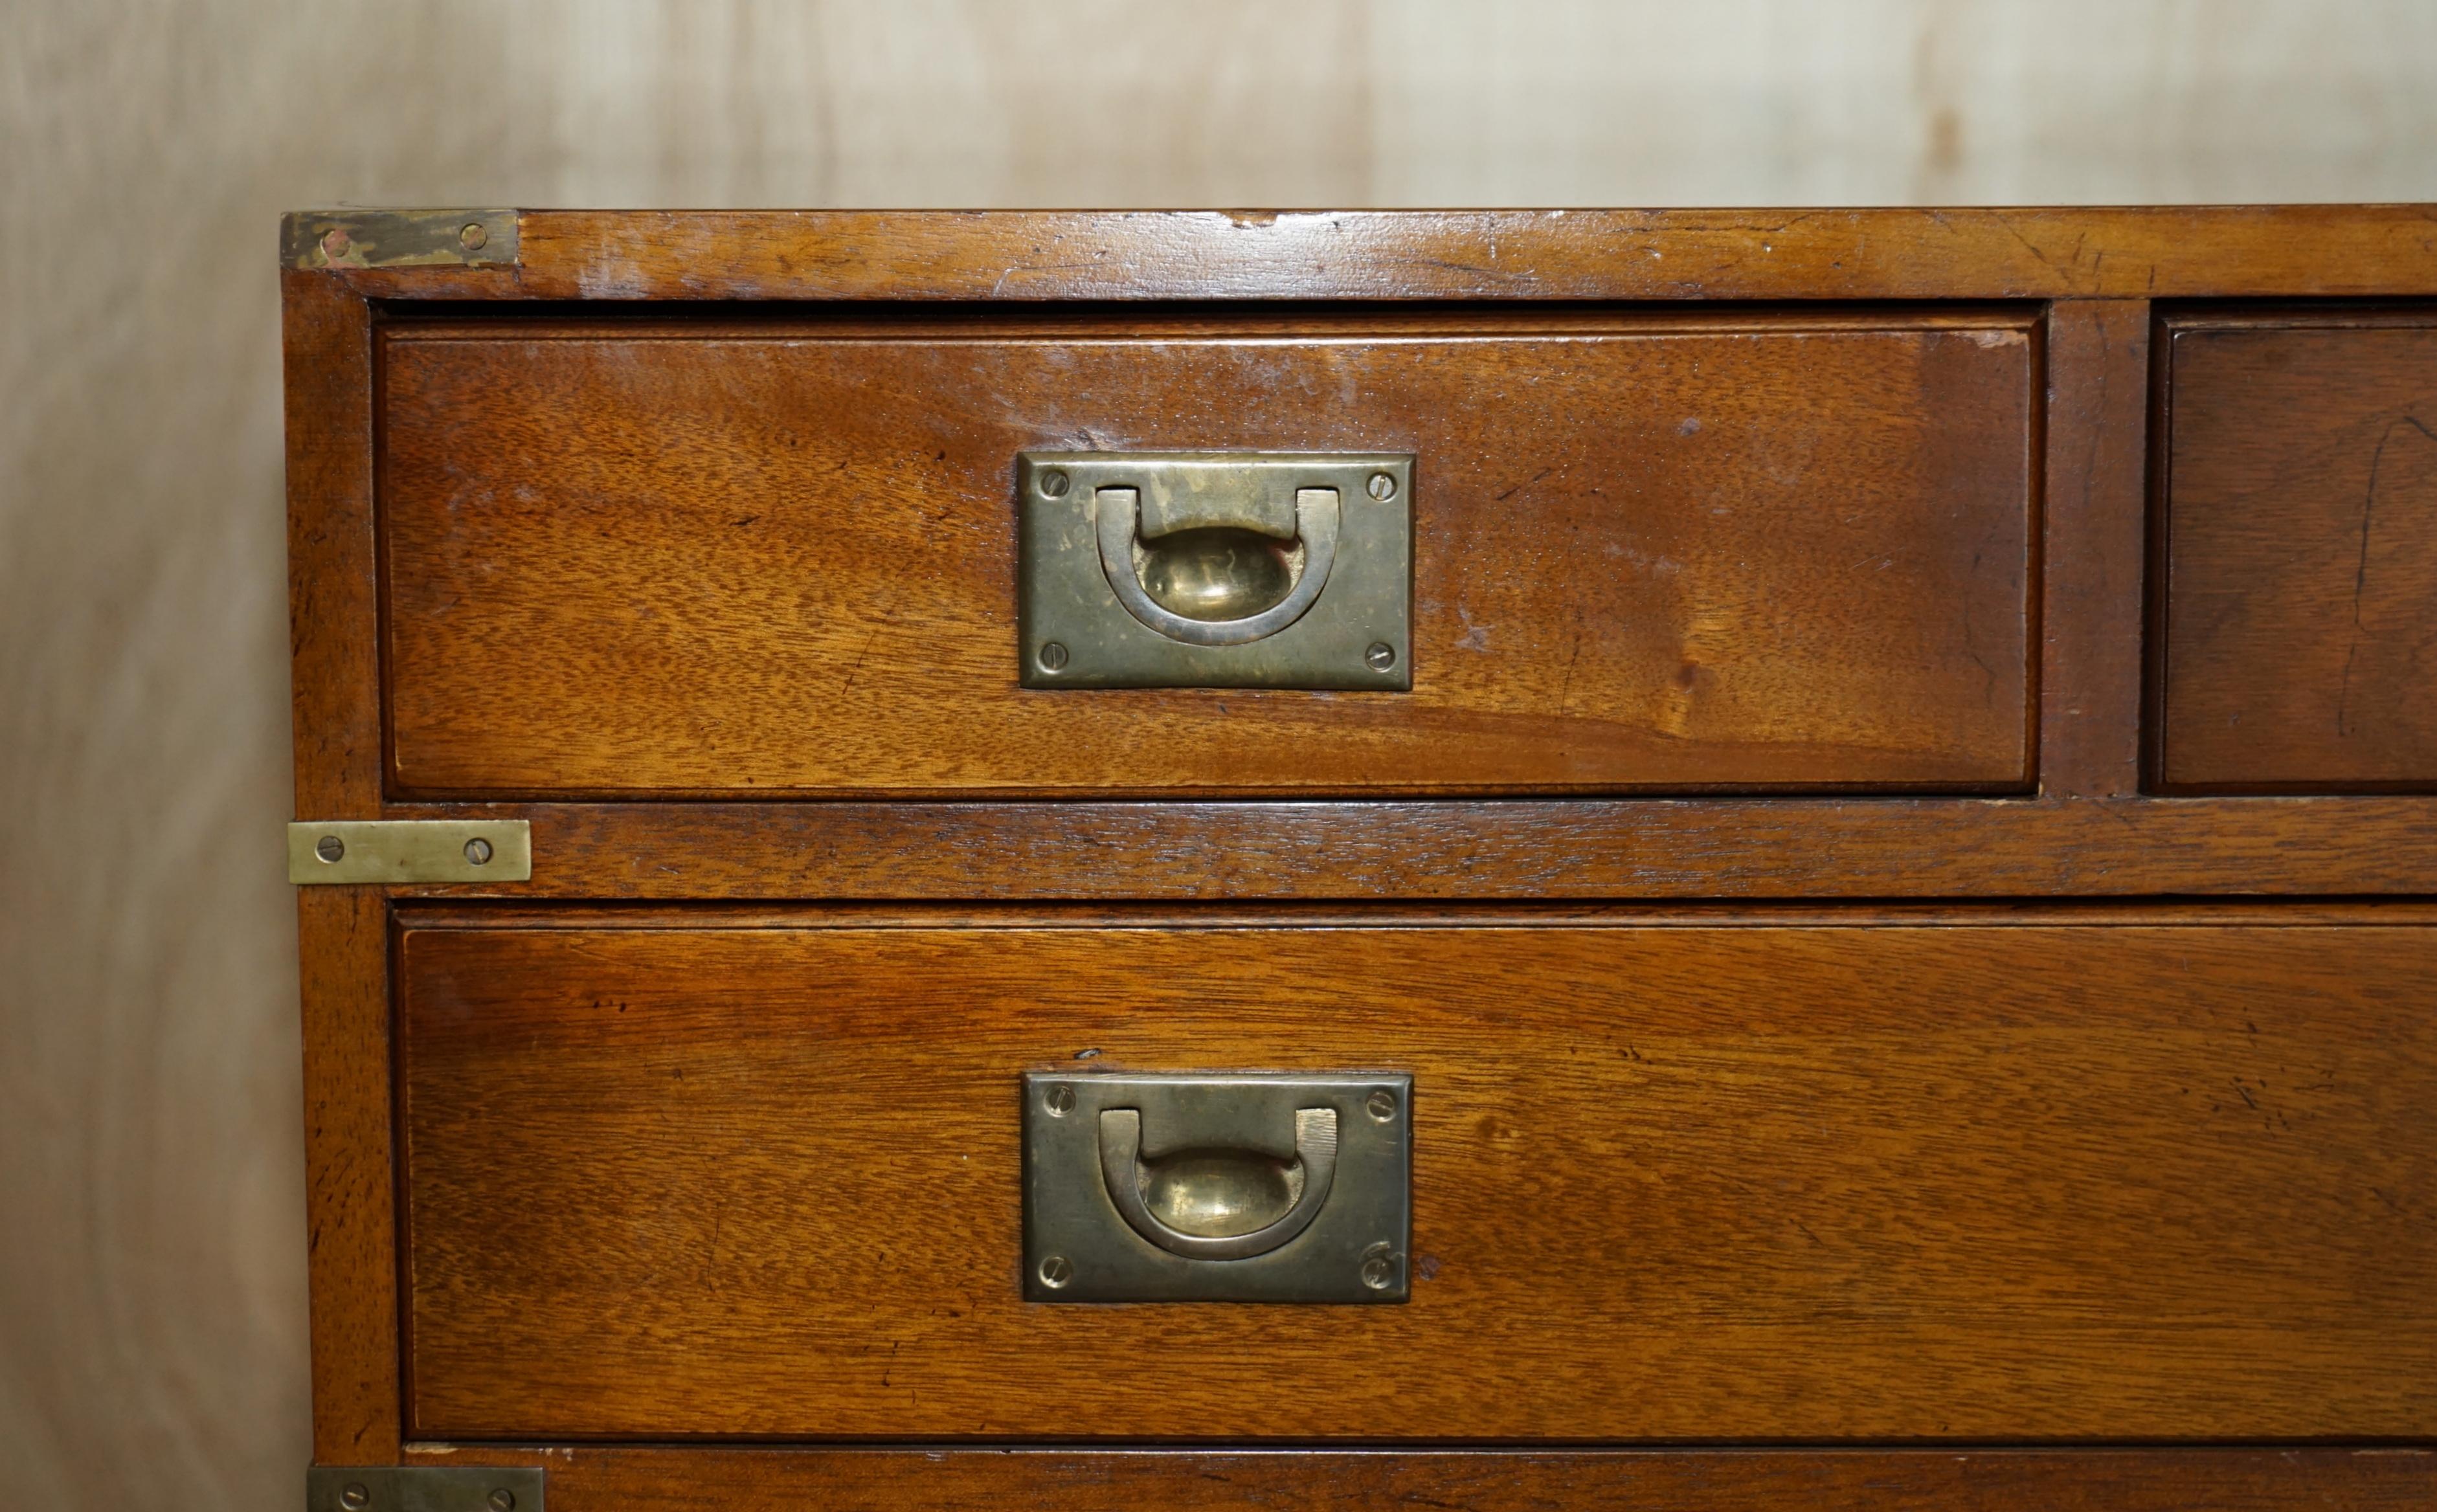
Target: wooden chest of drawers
x=1857 y=780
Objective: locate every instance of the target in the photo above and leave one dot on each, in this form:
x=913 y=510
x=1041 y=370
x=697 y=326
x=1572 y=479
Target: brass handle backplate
x=1216 y=569
x=1216 y=1187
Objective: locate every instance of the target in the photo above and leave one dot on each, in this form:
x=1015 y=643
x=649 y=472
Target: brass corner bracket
x=424 y=1488
x=398 y=238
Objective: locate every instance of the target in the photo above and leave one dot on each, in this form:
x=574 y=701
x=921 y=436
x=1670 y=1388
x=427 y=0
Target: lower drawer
x=1828 y=1176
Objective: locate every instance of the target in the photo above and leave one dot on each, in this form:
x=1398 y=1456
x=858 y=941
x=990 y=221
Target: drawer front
x=1995 y=1176
x=1764 y=552
x=2301 y=563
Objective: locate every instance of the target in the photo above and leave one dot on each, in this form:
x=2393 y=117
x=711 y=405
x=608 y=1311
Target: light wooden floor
x=152 y=1239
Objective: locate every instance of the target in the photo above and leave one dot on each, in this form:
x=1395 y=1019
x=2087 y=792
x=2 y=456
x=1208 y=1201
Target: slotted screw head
x=1380 y=656
x=1056 y=1271
x=504 y=1500
x=1378 y=1272
x=1382 y=486
x=472 y=238
x=1053 y=655
x=1382 y=1105
x=329 y=847
x=1058 y=1099
x=355 y=1495
x=1053 y=485
x=477 y=851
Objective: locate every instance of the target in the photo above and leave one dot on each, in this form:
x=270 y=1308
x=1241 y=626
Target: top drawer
x=2300 y=528
x=1770 y=552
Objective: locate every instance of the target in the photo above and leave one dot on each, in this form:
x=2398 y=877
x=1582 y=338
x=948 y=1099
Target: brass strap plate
x=422 y=1488
x=410 y=850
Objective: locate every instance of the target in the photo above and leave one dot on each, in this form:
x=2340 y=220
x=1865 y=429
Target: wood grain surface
x=342 y=935
x=2159 y=1178
x=1450 y=849
x=2094 y=523
x=584 y=1479
x=2300 y=633
x=2181 y=252
x=1681 y=553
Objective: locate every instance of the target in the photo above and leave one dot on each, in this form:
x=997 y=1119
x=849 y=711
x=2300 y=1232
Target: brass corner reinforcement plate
x=1189 y=1128
x=423 y=1489
x=379 y=851
x=397 y=238
x=1074 y=633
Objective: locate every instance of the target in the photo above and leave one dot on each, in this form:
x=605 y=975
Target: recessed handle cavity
x=1215 y=578
x=1218 y=1204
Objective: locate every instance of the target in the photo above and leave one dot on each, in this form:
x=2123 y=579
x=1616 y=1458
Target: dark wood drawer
x=2300 y=625
x=1683 y=553
x=1822 y=1175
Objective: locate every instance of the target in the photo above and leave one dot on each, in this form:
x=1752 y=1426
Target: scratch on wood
x=1526 y=483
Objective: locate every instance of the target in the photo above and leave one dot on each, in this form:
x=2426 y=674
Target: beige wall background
x=152 y=1233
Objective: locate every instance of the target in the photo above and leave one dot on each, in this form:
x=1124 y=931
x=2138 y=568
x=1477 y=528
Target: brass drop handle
x=1211 y=573
x=1218 y=1204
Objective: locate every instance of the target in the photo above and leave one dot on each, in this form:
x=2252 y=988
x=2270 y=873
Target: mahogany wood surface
x=341 y=936
x=981 y=1479
x=2019 y=1177
x=2300 y=633
x=2183 y=251
x=2097 y=353
x=1649 y=552
x=1576 y=849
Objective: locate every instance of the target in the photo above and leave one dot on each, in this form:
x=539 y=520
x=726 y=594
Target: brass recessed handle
x=1225 y=578
x=1214 y=569
x=1229 y=1187
x=1218 y=1204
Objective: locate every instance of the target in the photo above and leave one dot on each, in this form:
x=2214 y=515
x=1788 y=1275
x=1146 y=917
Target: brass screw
x=1056 y=1271
x=1059 y=1100
x=1053 y=656
x=1382 y=486
x=504 y=1500
x=335 y=243
x=1382 y=1105
x=356 y=1496
x=1053 y=485
x=1381 y=656
x=472 y=238
x=329 y=847
x=477 y=851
